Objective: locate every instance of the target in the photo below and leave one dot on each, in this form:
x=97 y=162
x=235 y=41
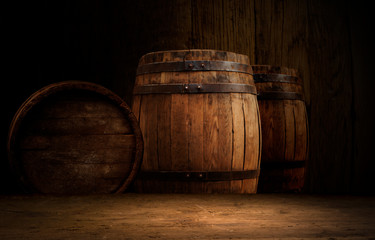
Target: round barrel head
x=75 y=138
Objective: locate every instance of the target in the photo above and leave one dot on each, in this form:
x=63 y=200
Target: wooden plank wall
x=363 y=52
x=331 y=122
x=327 y=41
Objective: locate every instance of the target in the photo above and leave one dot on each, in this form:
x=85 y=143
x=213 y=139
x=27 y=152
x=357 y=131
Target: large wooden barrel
x=199 y=117
x=75 y=138
x=284 y=128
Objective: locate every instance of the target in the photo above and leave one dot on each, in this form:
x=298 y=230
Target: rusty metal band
x=280 y=78
x=280 y=96
x=194 y=88
x=199 y=176
x=187 y=66
x=283 y=165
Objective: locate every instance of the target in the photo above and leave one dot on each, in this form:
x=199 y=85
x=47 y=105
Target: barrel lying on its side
x=284 y=128
x=198 y=113
x=75 y=138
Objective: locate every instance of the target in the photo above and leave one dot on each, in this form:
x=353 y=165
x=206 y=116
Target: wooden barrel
x=75 y=138
x=199 y=117
x=284 y=128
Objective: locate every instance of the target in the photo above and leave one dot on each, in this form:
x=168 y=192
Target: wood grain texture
x=223 y=25
x=238 y=136
x=196 y=132
x=331 y=114
x=187 y=216
x=252 y=140
x=196 y=137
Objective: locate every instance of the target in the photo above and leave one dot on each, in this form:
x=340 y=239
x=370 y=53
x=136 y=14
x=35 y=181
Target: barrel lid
x=193 y=54
x=75 y=137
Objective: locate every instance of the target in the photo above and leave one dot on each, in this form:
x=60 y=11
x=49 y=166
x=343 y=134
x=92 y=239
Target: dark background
x=329 y=42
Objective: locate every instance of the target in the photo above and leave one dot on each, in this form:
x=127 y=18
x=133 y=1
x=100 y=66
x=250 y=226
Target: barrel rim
x=194 y=50
x=192 y=66
x=274 y=69
x=144 y=56
x=49 y=90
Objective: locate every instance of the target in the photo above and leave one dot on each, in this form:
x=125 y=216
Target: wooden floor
x=155 y=216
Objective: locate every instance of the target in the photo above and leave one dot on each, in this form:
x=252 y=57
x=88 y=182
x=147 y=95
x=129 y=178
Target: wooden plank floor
x=180 y=216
